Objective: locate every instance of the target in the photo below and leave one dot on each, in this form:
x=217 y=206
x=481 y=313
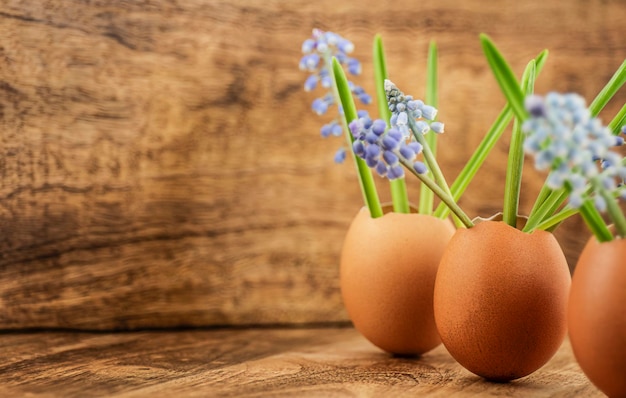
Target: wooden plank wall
x=160 y=165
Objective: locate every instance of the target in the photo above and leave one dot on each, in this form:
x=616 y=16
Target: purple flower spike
x=395 y=172
x=319 y=106
x=358 y=148
x=372 y=151
x=326 y=130
x=354 y=66
x=404 y=109
x=390 y=143
x=318 y=51
x=355 y=128
x=624 y=129
x=420 y=167
x=345 y=46
x=381 y=169
x=390 y=158
x=379 y=126
x=395 y=134
x=311 y=83
x=371 y=162
x=407 y=153
x=340 y=155
x=402 y=119
x=422 y=127
x=308 y=46
x=416 y=147
x=437 y=127
x=365 y=99
x=371 y=138
x=429 y=112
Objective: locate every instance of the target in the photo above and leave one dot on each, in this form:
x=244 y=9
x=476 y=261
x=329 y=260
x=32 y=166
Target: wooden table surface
x=252 y=363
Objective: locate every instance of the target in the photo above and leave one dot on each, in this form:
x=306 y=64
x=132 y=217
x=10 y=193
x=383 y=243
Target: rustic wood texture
x=160 y=165
x=253 y=363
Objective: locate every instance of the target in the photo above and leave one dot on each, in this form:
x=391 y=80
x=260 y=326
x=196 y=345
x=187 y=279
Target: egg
x=387 y=276
x=597 y=315
x=500 y=299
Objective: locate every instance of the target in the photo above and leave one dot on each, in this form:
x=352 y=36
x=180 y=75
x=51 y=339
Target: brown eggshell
x=388 y=269
x=500 y=299
x=597 y=315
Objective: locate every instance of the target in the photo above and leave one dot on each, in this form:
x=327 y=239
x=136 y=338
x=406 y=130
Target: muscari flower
x=575 y=147
x=403 y=107
x=318 y=51
x=383 y=150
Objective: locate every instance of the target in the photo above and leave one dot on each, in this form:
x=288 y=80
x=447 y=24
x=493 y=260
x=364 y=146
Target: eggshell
x=500 y=299
x=597 y=315
x=388 y=269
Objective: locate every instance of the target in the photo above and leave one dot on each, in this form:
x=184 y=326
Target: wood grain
x=325 y=362
x=160 y=165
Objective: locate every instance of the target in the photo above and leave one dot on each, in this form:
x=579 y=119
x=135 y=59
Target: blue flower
x=574 y=146
x=403 y=107
x=384 y=151
x=318 y=52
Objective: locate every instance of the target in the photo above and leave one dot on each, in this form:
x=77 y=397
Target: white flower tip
x=388 y=85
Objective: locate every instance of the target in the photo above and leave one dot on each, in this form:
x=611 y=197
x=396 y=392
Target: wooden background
x=160 y=165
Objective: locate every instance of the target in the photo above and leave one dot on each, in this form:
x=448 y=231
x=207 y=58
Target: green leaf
x=605 y=95
x=505 y=77
x=553 y=201
x=594 y=221
x=380 y=74
x=427 y=197
x=366 y=180
x=618 y=121
x=399 y=196
x=513 y=182
x=466 y=175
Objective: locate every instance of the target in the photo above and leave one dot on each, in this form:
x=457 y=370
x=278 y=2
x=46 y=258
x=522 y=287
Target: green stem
x=513 y=180
x=343 y=96
x=515 y=165
x=547 y=208
x=429 y=157
x=427 y=197
x=541 y=198
x=432 y=164
x=618 y=121
x=613 y=209
x=604 y=96
x=505 y=77
x=445 y=197
x=594 y=221
x=399 y=196
x=464 y=178
x=550 y=223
